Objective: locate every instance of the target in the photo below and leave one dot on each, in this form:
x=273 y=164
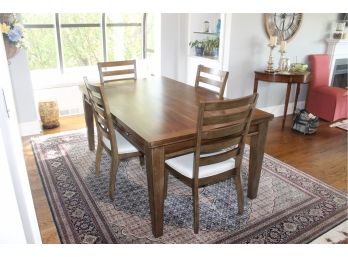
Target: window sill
x=48 y=79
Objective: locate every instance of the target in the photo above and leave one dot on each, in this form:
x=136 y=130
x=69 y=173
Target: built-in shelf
x=206 y=57
x=207 y=33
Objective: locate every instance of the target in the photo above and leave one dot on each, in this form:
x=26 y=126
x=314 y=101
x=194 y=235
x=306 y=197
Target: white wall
x=169 y=44
x=249 y=52
x=23 y=94
x=174 y=45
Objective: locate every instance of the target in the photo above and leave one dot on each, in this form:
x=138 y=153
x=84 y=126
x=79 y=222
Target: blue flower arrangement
x=12 y=31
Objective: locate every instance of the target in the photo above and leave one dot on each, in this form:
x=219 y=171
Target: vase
x=49 y=113
x=218 y=26
x=11 y=50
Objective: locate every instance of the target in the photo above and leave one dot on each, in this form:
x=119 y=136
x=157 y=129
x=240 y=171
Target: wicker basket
x=49 y=114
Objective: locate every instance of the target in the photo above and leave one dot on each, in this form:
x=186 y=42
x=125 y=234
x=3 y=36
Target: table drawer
x=136 y=140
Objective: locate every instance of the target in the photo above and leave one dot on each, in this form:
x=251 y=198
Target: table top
x=286 y=77
x=159 y=109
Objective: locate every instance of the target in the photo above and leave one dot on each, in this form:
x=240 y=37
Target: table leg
x=89 y=122
x=256 y=83
x=288 y=89
x=296 y=96
x=257 y=149
x=155 y=179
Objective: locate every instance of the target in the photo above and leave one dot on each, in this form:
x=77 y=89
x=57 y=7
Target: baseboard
x=30 y=128
x=278 y=110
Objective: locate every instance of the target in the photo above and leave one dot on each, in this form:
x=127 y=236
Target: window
x=71 y=40
x=41 y=38
x=81 y=39
x=124 y=36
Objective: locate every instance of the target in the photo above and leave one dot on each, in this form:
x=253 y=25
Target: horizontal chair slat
x=212 y=71
x=101 y=120
x=228 y=104
x=209 y=81
x=210 y=120
x=93 y=88
x=118 y=72
x=223 y=132
x=100 y=110
x=96 y=100
x=111 y=80
x=220 y=145
x=116 y=63
x=203 y=161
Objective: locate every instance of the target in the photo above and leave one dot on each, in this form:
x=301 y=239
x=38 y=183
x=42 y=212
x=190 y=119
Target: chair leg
x=165 y=188
x=98 y=158
x=142 y=159
x=195 y=209
x=240 y=196
x=113 y=173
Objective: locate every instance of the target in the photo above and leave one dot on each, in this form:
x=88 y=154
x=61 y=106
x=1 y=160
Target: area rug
x=343 y=124
x=291 y=207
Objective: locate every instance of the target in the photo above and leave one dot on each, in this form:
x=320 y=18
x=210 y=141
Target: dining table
x=158 y=116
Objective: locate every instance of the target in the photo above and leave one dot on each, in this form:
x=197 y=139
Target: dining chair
x=109 y=139
x=211 y=79
x=222 y=128
x=117 y=70
x=327 y=102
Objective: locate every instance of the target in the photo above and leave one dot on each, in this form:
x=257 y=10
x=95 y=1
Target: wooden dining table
x=158 y=115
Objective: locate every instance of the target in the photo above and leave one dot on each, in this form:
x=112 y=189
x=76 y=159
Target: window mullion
x=103 y=26
x=144 y=36
x=59 y=43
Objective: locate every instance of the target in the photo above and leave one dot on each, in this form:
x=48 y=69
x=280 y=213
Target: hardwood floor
x=323 y=155
x=47 y=227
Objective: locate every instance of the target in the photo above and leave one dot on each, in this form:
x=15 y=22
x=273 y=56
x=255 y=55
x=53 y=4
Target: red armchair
x=328 y=103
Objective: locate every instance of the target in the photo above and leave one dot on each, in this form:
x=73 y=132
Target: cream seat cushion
x=184 y=165
x=123 y=145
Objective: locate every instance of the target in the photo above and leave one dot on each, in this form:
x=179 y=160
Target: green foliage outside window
x=81 y=46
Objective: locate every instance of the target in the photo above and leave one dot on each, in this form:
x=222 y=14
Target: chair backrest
x=222 y=127
x=102 y=115
x=320 y=69
x=117 y=70
x=210 y=78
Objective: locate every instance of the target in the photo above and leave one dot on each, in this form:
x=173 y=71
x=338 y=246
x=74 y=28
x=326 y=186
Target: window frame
x=102 y=25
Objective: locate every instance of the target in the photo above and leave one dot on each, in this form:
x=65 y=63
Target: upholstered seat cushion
x=123 y=145
x=184 y=165
x=329 y=103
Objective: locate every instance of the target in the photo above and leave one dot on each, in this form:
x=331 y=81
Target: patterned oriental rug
x=291 y=206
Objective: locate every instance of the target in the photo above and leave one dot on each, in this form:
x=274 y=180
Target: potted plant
x=211 y=47
x=199 y=47
x=215 y=45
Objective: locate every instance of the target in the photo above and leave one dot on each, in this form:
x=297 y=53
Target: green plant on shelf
x=196 y=43
x=199 y=47
x=211 y=46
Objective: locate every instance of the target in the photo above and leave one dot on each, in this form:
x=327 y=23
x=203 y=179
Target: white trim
x=30 y=128
x=14 y=150
x=278 y=110
x=337 y=49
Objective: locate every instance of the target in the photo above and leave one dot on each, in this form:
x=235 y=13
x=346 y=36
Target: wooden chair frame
x=104 y=74
x=105 y=128
x=220 y=84
x=222 y=128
